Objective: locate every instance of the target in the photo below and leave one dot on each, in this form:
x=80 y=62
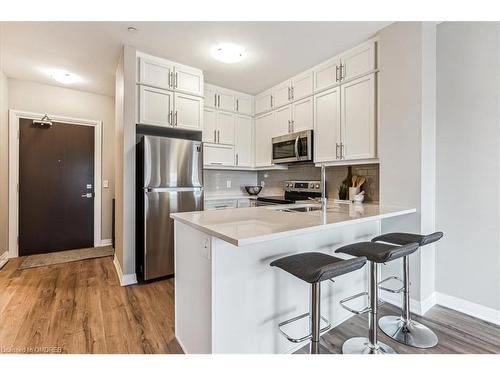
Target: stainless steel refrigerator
x=169 y=179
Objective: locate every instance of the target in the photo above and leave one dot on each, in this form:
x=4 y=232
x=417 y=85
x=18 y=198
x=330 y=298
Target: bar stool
x=403 y=328
x=314 y=268
x=375 y=253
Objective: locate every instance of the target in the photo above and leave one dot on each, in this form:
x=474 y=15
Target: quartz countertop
x=244 y=226
x=215 y=197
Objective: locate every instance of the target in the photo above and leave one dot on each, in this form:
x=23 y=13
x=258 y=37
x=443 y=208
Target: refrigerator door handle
x=167 y=189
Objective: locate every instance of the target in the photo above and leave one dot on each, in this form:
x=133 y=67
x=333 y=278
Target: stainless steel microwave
x=294 y=147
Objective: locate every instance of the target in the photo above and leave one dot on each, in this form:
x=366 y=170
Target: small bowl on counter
x=253 y=189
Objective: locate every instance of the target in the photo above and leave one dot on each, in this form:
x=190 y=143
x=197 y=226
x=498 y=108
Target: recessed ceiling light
x=132 y=29
x=228 y=52
x=63 y=76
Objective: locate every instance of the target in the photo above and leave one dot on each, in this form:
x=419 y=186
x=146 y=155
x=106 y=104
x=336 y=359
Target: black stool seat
x=378 y=252
x=406 y=238
x=315 y=267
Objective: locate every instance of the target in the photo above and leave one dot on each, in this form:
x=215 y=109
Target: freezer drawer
x=159 y=227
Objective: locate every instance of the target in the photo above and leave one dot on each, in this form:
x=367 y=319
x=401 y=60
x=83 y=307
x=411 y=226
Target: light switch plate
x=228 y=184
x=105 y=183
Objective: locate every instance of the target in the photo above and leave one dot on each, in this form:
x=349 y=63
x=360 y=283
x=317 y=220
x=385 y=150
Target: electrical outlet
x=262 y=183
x=228 y=184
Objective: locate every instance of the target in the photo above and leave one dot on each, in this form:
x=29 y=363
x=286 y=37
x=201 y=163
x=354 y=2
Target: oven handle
x=297 y=147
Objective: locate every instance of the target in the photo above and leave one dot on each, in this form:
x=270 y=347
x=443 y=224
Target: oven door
x=293 y=147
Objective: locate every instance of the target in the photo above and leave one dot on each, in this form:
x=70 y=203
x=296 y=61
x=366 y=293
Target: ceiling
x=275 y=50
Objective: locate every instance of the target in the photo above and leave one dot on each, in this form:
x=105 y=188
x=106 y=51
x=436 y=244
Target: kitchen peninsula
x=227 y=297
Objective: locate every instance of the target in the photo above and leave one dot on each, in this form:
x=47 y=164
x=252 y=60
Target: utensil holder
x=352 y=192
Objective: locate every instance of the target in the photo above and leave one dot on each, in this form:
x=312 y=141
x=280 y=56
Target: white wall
x=406 y=139
x=42 y=98
x=4 y=164
x=468 y=161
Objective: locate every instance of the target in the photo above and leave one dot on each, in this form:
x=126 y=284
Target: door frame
x=14 y=117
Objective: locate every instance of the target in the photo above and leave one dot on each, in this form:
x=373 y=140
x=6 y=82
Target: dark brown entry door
x=56 y=187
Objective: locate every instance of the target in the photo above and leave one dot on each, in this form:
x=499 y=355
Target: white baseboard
x=416 y=307
x=127 y=279
x=4 y=258
x=106 y=242
x=470 y=308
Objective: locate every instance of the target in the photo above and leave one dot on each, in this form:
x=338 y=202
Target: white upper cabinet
x=326 y=74
x=188 y=112
x=209 y=125
x=358 y=61
x=263 y=102
x=210 y=96
x=243 y=149
x=225 y=128
x=156 y=72
x=358 y=122
x=282 y=94
x=302 y=114
x=188 y=80
x=155 y=106
x=282 y=121
x=302 y=86
x=263 y=135
x=244 y=104
x=162 y=73
x=226 y=101
x=327 y=125
x=218 y=155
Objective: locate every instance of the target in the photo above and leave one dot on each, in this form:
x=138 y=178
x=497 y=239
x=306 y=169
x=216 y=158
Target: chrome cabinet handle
x=215 y=136
x=342 y=71
x=271 y=101
x=289 y=131
x=289 y=94
x=236 y=159
x=237 y=105
x=218 y=100
x=215 y=100
x=337 y=73
x=176 y=80
x=170 y=80
x=293 y=123
x=170 y=118
x=336 y=150
x=216 y=163
x=218 y=136
x=342 y=156
x=175 y=118
x=292 y=89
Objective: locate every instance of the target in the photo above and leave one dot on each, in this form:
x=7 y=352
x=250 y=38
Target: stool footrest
x=354 y=311
x=396 y=291
x=304 y=338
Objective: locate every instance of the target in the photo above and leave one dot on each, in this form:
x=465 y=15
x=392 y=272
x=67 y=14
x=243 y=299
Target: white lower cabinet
x=243 y=141
x=263 y=135
x=358 y=118
x=218 y=155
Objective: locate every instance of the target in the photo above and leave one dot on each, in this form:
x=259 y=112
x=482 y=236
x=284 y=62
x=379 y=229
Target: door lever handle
x=88 y=195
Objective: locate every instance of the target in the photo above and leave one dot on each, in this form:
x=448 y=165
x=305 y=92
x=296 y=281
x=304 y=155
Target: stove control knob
x=287 y=185
x=311 y=186
x=317 y=186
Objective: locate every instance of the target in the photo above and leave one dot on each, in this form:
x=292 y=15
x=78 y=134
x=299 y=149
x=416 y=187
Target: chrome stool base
x=361 y=345
x=410 y=333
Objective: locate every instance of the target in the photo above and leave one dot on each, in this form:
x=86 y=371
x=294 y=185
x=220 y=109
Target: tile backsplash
x=273 y=180
x=215 y=181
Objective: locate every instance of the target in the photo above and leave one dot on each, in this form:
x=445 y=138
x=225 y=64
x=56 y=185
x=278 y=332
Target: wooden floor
x=457 y=333
x=80 y=307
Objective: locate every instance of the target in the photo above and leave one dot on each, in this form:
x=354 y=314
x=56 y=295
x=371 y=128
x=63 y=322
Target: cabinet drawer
x=215 y=154
x=220 y=204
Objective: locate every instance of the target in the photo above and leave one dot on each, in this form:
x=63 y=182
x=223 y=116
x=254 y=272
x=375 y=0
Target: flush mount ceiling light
x=63 y=76
x=228 y=53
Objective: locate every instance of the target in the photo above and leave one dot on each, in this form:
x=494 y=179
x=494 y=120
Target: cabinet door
x=281 y=94
x=358 y=61
x=358 y=118
x=218 y=154
x=263 y=102
x=326 y=74
x=302 y=114
x=209 y=125
x=244 y=105
x=188 y=80
x=225 y=101
x=327 y=125
x=243 y=141
x=282 y=121
x=210 y=97
x=155 y=106
x=225 y=128
x=302 y=86
x=155 y=72
x=263 y=135
x=188 y=111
